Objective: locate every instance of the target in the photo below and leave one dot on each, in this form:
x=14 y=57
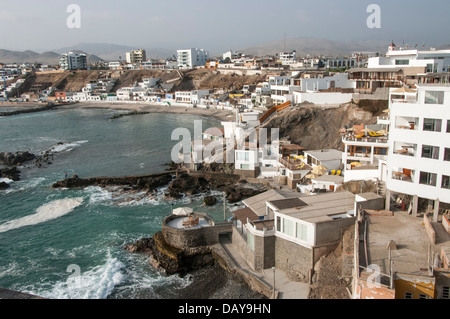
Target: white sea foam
x=98 y=194
x=96 y=283
x=52 y=210
x=67 y=146
x=6 y=180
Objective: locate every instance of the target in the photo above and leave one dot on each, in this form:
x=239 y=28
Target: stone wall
x=293 y=259
x=196 y=237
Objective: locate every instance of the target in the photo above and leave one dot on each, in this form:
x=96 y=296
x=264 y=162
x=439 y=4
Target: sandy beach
x=221 y=115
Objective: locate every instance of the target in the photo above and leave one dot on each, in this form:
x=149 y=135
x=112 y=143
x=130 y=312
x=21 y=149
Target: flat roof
x=320 y=208
x=288 y=203
x=354 y=70
x=329 y=178
x=258 y=203
x=326 y=154
x=411 y=240
x=244 y=213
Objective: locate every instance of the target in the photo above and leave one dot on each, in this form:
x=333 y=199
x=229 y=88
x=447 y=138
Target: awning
x=183 y=211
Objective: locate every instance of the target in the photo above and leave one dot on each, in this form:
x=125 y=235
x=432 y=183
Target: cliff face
x=317 y=128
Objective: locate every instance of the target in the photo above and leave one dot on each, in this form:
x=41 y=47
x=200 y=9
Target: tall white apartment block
x=73 y=61
x=418 y=161
x=190 y=58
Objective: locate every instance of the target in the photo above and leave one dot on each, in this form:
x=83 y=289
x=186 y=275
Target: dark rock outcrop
x=3 y=186
x=16 y=158
x=10 y=172
x=147 y=183
x=209 y=200
x=171 y=260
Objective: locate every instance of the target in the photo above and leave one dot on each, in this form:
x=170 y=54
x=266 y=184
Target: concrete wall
x=429 y=229
x=190 y=238
x=446 y=223
x=331 y=232
x=323 y=98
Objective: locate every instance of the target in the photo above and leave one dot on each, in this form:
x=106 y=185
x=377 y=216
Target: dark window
x=429 y=151
x=427 y=178
x=445 y=182
x=433 y=125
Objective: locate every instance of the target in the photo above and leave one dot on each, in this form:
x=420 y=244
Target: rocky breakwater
x=193 y=183
x=11 y=161
x=133 y=183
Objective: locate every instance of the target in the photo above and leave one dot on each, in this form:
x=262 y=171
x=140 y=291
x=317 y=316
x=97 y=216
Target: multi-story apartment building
x=287 y=57
x=418 y=161
x=136 y=56
x=190 y=58
x=73 y=61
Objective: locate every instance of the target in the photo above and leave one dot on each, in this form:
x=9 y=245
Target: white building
x=287 y=58
x=73 y=61
x=432 y=61
x=190 y=97
x=419 y=147
x=190 y=58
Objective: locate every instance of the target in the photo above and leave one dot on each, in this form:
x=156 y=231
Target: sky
x=41 y=25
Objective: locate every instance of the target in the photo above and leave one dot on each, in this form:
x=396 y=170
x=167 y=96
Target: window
x=401 y=62
x=427 y=178
x=251 y=241
x=302 y=231
x=288 y=227
x=429 y=151
x=422 y=296
x=445 y=293
x=245 y=166
x=445 y=182
x=432 y=125
x=447 y=154
x=243 y=156
x=408 y=295
x=448 y=125
x=434 y=97
x=278 y=223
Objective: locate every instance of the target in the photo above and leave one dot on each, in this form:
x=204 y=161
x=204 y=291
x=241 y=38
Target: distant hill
x=313 y=46
x=49 y=57
x=112 y=52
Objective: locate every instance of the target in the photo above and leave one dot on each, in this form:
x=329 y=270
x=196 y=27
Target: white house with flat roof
x=418 y=161
x=329 y=158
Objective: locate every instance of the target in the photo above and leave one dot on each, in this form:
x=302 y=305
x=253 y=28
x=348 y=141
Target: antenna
x=284 y=45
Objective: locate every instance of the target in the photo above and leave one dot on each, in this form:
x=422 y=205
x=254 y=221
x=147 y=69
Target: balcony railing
x=380 y=140
x=293 y=164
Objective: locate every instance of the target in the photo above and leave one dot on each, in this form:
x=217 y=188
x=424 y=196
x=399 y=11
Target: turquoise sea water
x=68 y=243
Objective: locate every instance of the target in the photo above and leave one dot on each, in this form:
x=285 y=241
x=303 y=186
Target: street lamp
x=273 y=268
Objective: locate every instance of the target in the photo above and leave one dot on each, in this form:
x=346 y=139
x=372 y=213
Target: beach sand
x=221 y=115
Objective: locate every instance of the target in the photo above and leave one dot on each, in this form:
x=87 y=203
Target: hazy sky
x=40 y=25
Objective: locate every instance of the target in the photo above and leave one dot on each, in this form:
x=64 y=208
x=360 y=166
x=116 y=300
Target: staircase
x=381 y=188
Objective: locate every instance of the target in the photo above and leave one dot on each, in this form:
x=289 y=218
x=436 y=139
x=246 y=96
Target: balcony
x=377 y=140
x=405 y=175
x=294 y=165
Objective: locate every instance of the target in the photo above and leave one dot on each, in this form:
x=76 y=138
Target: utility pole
x=224 y=207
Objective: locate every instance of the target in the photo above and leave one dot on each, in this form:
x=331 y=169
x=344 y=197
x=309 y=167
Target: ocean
x=68 y=243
